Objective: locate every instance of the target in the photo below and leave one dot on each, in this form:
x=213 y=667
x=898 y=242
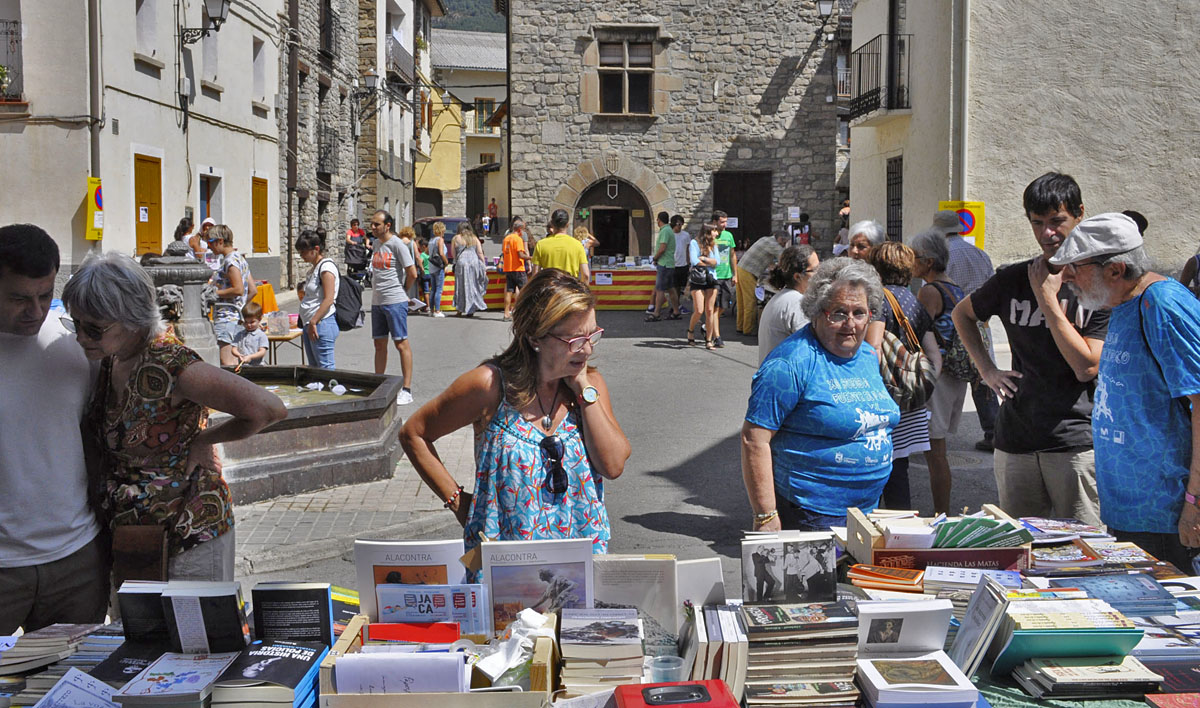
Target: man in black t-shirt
x=1044 y=462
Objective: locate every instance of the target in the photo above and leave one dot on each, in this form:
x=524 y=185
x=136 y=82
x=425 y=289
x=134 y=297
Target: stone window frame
x=625 y=34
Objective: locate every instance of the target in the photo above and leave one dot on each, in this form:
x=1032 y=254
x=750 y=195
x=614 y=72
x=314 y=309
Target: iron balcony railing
x=399 y=61
x=843 y=83
x=12 y=85
x=880 y=75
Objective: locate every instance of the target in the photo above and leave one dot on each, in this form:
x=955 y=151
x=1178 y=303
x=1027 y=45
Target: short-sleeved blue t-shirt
x=1143 y=438
x=833 y=420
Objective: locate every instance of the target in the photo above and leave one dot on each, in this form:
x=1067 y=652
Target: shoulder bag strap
x=910 y=335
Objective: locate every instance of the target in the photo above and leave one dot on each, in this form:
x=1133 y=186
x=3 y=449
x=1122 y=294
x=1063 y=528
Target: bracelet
x=1194 y=501
x=453 y=497
x=761 y=519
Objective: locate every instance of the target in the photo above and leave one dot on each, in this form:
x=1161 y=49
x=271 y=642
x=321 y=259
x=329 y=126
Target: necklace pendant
x=547 y=421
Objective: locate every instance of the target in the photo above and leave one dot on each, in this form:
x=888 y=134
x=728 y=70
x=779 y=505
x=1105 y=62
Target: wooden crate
x=865 y=542
x=540 y=674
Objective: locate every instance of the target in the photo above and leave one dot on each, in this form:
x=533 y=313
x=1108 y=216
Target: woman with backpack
x=317 y=295
x=939 y=295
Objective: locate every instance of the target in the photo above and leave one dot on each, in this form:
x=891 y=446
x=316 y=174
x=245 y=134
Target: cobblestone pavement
x=287 y=532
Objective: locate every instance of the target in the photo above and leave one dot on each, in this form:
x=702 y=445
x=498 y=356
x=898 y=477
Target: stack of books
x=177 y=680
x=1089 y=677
x=1118 y=552
x=881 y=578
x=43 y=647
x=900 y=657
x=938 y=578
x=1075 y=553
x=980 y=532
x=800 y=654
x=1060 y=628
x=1133 y=594
x=271 y=673
x=1057 y=530
x=92 y=650
x=600 y=649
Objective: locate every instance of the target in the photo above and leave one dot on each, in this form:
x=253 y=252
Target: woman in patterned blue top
x=537 y=474
x=817 y=435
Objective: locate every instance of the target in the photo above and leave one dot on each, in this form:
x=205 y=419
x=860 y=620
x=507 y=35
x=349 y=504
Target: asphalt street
x=680 y=406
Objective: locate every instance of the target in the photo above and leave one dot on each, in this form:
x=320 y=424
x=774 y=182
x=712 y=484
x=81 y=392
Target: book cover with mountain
x=270 y=671
x=544 y=575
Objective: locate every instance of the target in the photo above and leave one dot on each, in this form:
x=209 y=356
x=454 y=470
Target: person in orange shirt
x=514 y=258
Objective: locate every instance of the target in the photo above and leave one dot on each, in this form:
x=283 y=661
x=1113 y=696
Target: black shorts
x=514 y=280
x=681 y=277
x=725 y=297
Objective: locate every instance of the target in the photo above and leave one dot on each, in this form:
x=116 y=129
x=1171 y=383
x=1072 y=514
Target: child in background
x=424 y=281
x=250 y=344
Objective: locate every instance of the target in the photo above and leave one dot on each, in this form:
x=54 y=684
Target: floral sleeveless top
x=146 y=441
x=512 y=500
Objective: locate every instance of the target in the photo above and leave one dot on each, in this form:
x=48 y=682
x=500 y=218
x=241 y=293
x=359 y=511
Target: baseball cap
x=1100 y=235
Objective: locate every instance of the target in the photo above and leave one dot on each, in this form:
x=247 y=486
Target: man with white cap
x=969 y=267
x=1044 y=462
x=1145 y=422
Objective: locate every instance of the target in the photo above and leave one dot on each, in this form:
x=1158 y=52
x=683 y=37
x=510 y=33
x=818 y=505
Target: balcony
x=12 y=86
x=328 y=142
x=879 y=78
x=398 y=60
x=329 y=29
x=843 y=83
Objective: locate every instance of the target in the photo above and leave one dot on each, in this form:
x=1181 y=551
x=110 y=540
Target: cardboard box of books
x=351 y=642
x=989 y=540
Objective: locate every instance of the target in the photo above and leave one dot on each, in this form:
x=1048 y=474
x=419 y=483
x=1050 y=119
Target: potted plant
x=4 y=80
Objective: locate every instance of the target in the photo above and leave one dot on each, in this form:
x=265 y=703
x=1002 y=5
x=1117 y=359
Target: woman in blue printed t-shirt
x=817 y=435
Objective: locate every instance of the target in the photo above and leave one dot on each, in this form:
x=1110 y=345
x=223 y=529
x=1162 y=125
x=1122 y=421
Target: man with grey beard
x=1146 y=421
x=1044 y=463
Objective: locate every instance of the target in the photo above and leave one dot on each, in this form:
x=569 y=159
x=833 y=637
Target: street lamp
x=217 y=11
x=825 y=11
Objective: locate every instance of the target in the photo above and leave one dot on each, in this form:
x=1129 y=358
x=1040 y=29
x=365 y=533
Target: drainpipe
x=964 y=95
x=293 y=114
x=95 y=100
x=508 y=157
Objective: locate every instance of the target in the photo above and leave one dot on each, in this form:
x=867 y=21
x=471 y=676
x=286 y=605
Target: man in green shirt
x=664 y=264
x=726 y=275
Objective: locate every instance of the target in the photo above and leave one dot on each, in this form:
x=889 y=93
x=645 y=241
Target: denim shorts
x=389 y=319
x=225 y=331
x=664 y=278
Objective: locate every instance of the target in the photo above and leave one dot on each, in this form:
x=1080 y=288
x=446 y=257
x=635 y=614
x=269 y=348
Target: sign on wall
x=970 y=217
x=95 y=210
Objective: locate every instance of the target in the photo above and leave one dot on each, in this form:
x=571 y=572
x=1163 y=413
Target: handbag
x=435 y=258
x=701 y=277
x=907 y=373
x=957 y=360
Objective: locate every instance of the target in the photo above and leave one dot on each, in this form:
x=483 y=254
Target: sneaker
x=439 y=313
x=404 y=397
x=650 y=310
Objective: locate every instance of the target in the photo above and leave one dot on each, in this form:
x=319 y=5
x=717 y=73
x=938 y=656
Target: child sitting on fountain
x=250 y=344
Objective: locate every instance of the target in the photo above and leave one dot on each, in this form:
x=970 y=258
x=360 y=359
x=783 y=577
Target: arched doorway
x=619 y=216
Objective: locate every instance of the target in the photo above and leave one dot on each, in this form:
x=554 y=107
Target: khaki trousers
x=747 y=304
x=1059 y=485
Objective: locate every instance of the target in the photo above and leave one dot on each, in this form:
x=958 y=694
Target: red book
x=713 y=694
x=421 y=632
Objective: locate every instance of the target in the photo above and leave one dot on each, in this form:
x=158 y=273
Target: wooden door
x=258 y=215
x=147 y=198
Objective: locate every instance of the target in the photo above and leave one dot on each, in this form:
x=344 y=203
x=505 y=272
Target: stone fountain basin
x=346 y=440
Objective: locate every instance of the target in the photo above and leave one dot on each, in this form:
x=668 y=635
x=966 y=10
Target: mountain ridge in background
x=473 y=15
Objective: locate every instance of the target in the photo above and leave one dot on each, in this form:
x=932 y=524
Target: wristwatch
x=589 y=395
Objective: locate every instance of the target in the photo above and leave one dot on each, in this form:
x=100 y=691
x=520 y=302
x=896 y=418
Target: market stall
x=616 y=289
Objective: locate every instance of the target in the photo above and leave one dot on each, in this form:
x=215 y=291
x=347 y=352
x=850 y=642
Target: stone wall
x=325 y=104
x=738 y=85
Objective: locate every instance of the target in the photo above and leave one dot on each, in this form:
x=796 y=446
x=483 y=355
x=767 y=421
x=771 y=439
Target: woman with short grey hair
x=865 y=235
x=149 y=411
x=939 y=296
x=817 y=434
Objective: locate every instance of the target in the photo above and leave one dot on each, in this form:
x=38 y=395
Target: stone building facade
x=623 y=110
x=318 y=77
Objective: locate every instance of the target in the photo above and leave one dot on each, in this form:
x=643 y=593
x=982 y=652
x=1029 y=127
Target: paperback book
x=205 y=617
x=1090 y=677
x=600 y=634
x=298 y=612
x=142 y=615
x=646 y=583
x=903 y=627
x=175 y=678
x=546 y=576
x=466 y=604
x=788 y=567
x=929 y=679
x=406 y=563
x=270 y=672
x=1135 y=594
x=128 y=661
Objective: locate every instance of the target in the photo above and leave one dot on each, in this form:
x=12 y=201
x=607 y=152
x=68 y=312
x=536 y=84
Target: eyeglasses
x=90 y=331
x=839 y=318
x=1077 y=266
x=556 y=477
x=575 y=344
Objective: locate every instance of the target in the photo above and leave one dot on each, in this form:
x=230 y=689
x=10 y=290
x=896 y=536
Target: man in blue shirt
x=1143 y=424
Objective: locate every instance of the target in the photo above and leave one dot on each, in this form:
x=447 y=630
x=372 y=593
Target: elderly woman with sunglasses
x=817 y=434
x=149 y=410
x=545 y=432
